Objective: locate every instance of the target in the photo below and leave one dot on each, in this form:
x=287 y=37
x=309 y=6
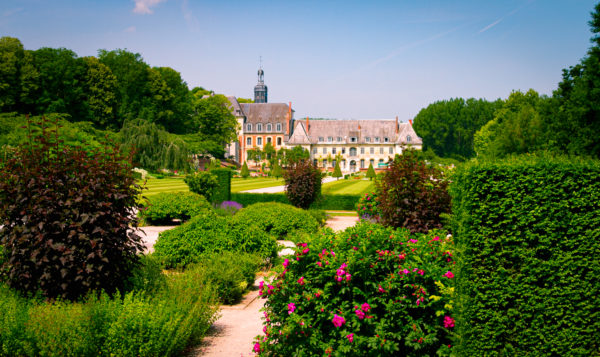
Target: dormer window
x=248 y=127
x=408 y=138
x=339 y=139
x=321 y=139
x=386 y=140
x=259 y=127
x=367 y=139
x=278 y=126
x=377 y=139
x=269 y=127
x=353 y=139
x=330 y=139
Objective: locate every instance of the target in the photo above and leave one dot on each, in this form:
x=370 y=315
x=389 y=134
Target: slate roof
x=235 y=106
x=360 y=129
x=265 y=112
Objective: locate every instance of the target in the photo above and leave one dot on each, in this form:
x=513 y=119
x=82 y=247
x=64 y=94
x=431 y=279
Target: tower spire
x=260 y=90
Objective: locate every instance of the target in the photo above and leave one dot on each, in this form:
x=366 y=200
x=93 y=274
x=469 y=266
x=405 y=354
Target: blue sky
x=334 y=59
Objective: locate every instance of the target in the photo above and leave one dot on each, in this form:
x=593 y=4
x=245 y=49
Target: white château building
x=356 y=143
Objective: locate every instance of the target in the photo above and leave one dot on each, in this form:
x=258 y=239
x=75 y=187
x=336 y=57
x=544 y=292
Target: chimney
x=306 y=125
x=396 y=124
x=358 y=126
x=289 y=121
x=410 y=121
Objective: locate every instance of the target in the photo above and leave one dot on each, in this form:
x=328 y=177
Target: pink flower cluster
x=261 y=291
x=448 y=322
x=301 y=280
x=341 y=273
x=291 y=308
x=448 y=275
x=360 y=312
x=338 y=321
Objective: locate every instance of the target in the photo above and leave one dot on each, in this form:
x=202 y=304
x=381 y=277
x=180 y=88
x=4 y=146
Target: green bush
x=163 y=323
x=392 y=289
x=319 y=215
x=245 y=173
x=185 y=244
x=247 y=199
x=529 y=237
x=66 y=215
x=222 y=192
x=336 y=202
x=147 y=276
x=368 y=207
x=302 y=183
x=412 y=194
x=202 y=183
x=278 y=219
x=163 y=207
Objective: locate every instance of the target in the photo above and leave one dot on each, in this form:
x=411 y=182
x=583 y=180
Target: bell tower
x=260 y=89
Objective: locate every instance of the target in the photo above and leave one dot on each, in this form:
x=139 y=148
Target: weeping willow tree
x=154 y=148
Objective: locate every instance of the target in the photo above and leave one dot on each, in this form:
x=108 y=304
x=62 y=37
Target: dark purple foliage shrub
x=67 y=216
x=302 y=183
x=412 y=194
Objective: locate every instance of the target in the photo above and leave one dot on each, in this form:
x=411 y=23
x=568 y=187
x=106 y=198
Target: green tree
x=574 y=126
x=213 y=119
x=270 y=153
x=371 y=172
x=245 y=100
x=276 y=170
x=11 y=60
x=448 y=126
x=255 y=155
x=101 y=87
x=245 y=173
x=518 y=127
x=337 y=172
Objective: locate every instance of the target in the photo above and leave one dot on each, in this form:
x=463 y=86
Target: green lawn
x=348 y=187
x=176 y=184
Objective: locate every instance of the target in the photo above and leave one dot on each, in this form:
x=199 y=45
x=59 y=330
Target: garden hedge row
x=528 y=232
x=326 y=202
x=162 y=208
x=223 y=190
x=278 y=219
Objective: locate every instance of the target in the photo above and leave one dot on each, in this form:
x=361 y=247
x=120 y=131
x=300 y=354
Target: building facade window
x=259 y=141
x=343 y=151
x=324 y=150
x=372 y=151
x=380 y=151
x=343 y=164
x=332 y=163
x=259 y=127
x=367 y=139
x=249 y=141
x=339 y=139
x=269 y=140
x=352 y=151
x=278 y=141
x=353 y=139
x=248 y=127
x=321 y=139
x=278 y=126
x=362 y=150
x=371 y=161
x=391 y=150
x=386 y=139
x=314 y=150
x=330 y=139
x=362 y=163
x=408 y=138
x=333 y=150
x=269 y=127
x=315 y=162
x=377 y=139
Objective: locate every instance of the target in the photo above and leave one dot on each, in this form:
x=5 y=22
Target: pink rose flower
x=257 y=347
x=301 y=280
x=286 y=262
x=338 y=320
x=448 y=275
x=448 y=322
x=350 y=337
x=366 y=307
x=360 y=314
x=291 y=308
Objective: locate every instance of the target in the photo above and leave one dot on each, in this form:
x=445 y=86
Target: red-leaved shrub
x=67 y=216
x=302 y=183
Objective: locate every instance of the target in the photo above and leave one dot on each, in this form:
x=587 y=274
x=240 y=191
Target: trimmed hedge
x=278 y=219
x=528 y=230
x=208 y=232
x=162 y=208
x=325 y=202
x=223 y=190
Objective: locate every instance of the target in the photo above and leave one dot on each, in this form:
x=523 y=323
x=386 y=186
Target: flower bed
x=369 y=288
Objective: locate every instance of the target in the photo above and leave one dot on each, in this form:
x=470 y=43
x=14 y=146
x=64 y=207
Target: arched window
x=352 y=151
x=259 y=141
x=259 y=127
x=269 y=140
x=249 y=141
x=269 y=128
x=278 y=126
x=248 y=127
x=278 y=141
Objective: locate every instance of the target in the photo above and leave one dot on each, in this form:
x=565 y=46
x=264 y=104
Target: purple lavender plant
x=231 y=207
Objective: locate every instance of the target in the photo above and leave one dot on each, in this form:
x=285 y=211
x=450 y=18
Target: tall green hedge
x=223 y=190
x=528 y=232
x=325 y=202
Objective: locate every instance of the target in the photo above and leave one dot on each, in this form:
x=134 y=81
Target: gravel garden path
x=233 y=333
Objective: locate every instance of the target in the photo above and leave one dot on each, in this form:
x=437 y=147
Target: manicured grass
x=176 y=184
x=342 y=213
x=348 y=187
x=251 y=183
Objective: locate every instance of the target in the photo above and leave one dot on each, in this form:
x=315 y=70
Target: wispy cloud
x=10 y=12
x=400 y=50
x=505 y=16
x=130 y=29
x=145 y=6
x=192 y=21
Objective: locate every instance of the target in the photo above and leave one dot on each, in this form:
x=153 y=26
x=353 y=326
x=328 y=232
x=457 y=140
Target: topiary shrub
x=412 y=194
x=164 y=207
x=278 y=219
x=245 y=173
x=369 y=290
x=66 y=215
x=208 y=232
x=222 y=192
x=371 y=172
x=202 y=183
x=528 y=232
x=302 y=183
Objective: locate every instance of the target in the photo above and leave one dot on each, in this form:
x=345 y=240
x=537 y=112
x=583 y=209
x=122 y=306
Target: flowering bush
x=230 y=207
x=368 y=207
x=369 y=288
